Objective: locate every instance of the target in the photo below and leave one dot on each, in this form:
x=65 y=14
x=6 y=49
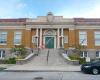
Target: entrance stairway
x=40 y=59
x=48 y=57
x=55 y=59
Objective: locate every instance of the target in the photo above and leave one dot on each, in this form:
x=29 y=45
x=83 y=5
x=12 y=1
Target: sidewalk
x=6 y=65
x=22 y=68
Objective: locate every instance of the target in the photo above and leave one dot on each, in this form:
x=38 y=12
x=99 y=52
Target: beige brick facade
x=56 y=29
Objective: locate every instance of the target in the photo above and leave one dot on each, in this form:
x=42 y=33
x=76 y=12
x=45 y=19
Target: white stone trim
x=53 y=26
x=62 y=37
x=40 y=37
x=28 y=28
x=88 y=27
x=3 y=44
x=37 y=37
x=58 y=40
x=1 y=57
x=12 y=27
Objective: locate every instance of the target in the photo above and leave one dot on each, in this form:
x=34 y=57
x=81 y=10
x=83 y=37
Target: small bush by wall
x=82 y=60
x=74 y=57
x=77 y=57
x=8 y=61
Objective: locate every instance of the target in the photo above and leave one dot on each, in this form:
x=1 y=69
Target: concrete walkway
x=43 y=68
x=39 y=63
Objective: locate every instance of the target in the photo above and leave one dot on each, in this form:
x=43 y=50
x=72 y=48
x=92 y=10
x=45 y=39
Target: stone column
x=40 y=37
x=58 y=40
x=62 y=37
x=37 y=37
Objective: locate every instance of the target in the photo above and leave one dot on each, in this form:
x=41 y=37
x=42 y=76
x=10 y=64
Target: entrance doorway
x=49 y=42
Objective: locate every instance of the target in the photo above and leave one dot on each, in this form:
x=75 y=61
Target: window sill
x=17 y=44
x=3 y=44
x=97 y=45
x=97 y=57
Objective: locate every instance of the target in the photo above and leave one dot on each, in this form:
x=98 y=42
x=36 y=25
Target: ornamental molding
x=50 y=17
x=49 y=32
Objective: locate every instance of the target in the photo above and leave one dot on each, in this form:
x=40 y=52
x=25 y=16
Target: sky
x=34 y=8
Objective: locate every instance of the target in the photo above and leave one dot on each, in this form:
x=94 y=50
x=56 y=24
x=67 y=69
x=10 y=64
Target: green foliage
x=74 y=57
x=82 y=60
x=97 y=59
x=20 y=49
x=9 y=61
x=77 y=57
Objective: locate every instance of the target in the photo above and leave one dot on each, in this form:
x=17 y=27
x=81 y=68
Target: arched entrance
x=50 y=38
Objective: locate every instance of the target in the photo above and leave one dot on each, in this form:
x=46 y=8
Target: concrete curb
x=41 y=71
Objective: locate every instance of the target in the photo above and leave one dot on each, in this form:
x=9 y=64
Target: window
x=97 y=54
x=17 y=37
x=82 y=38
x=97 y=38
x=2 y=54
x=34 y=39
x=83 y=54
x=3 y=37
x=65 y=39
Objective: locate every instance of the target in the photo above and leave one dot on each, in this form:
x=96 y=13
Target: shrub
x=74 y=57
x=82 y=60
x=19 y=50
x=12 y=61
x=8 y=61
x=77 y=57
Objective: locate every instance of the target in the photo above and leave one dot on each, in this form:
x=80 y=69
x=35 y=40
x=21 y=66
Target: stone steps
x=54 y=58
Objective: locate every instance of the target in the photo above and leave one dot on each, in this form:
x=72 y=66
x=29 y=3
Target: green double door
x=49 y=42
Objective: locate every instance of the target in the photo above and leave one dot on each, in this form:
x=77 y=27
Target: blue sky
x=34 y=8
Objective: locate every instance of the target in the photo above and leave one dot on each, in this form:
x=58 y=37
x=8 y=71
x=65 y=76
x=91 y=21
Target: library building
x=52 y=32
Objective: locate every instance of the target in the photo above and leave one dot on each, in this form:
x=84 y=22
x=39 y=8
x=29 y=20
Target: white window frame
x=34 y=39
x=97 y=39
x=1 y=34
x=83 y=54
x=17 y=33
x=65 y=39
x=99 y=54
x=2 y=52
x=83 y=41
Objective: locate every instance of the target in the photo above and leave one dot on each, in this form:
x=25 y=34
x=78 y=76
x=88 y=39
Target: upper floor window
x=83 y=38
x=83 y=54
x=3 y=37
x=97 y=38
x=17 y=37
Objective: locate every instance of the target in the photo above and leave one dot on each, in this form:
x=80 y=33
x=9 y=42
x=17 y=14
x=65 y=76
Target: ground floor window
x=97 y=54
x=2 y=54
x=83 y=54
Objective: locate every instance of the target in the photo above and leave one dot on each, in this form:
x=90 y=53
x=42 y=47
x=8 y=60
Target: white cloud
x=21 y=5
x=94 y=12
x=14 y=9
x=89 y=12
